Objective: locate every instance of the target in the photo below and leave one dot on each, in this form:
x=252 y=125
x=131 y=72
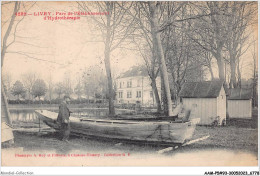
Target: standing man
x=63 y=119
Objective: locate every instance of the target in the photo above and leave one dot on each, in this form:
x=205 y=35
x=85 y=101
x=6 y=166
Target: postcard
x=135 y=83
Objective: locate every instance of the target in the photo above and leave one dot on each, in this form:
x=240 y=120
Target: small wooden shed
x=239 y=103
x=210 y=98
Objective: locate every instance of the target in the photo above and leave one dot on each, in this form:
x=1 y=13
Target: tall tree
x=12 y=24
x=255 y=78
x=29 y=79
x=152 y=68
x=59 y=89
x=156 y=33
x=18 y=89
x=79 y=88
x=50 y=87
x=145 y=45
x=4 y=46
x=39 y=88
x=67 y=84
x=94 y=82
x=178 y=48
x=153 y=12
x=208 y=31
x=239 y=17
x=115 y=28
x=7 y=80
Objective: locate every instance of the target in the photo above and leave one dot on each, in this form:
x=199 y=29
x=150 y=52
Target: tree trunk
x=233 y=73
x=156 y=94
x=211 y=72
x=50 y=94
x=108 y=68
x=30 y=96
x=255 y=81
x=3 y=51
x=178 y=86
x=220 y=66
x=154 y=28
x=50 y=97
x=173 y=78
x=238 y=75
x=5 y=111
x=4 y=47
x=163 y=97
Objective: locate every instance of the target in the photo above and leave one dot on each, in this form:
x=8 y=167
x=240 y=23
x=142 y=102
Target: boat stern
x=181 y=132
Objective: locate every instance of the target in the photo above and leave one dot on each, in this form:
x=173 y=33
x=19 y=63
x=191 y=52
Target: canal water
x=28 y=118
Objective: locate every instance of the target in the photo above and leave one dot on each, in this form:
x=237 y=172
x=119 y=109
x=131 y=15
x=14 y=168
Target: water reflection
x=23 y=116
x=28 y=115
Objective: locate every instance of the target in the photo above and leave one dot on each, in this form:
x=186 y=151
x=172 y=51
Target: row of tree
x=38 y=89
x=91 y=83
x=177 y=40
x=180 y=39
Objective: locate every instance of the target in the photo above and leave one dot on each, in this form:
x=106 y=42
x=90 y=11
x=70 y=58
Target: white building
x=240 y=103
x=134 y=86
x=210 y=98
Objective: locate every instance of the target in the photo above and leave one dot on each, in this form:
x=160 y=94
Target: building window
x=120 y=94
x=138 y=82
x=129 y=84
x=151 y=94
x=120 y=85
x=129 y=94
x=138 y=94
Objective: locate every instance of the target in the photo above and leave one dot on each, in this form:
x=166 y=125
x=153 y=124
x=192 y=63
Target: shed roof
x=205 y=89
x=240 y=94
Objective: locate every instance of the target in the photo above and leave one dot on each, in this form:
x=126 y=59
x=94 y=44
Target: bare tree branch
x=31 y=57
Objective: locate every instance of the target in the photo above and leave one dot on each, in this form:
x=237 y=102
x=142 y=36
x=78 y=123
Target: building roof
x=205 y=89
x=240 y=94
x=134 y=71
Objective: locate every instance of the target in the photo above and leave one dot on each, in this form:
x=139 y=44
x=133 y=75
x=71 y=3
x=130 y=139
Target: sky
x=67 y=46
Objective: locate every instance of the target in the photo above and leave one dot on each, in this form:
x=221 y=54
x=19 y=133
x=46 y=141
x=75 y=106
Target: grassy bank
x=228 y=137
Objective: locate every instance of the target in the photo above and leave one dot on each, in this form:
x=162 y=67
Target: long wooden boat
x=156 y=130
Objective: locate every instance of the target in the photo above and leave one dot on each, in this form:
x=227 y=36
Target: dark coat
x=64 y=113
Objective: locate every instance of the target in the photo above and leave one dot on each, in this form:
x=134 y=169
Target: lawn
x=228 y=137
x=235 y=141
x=238 y=134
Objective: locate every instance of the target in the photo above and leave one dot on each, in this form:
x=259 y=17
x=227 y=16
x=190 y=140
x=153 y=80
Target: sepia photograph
x=129 y=83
